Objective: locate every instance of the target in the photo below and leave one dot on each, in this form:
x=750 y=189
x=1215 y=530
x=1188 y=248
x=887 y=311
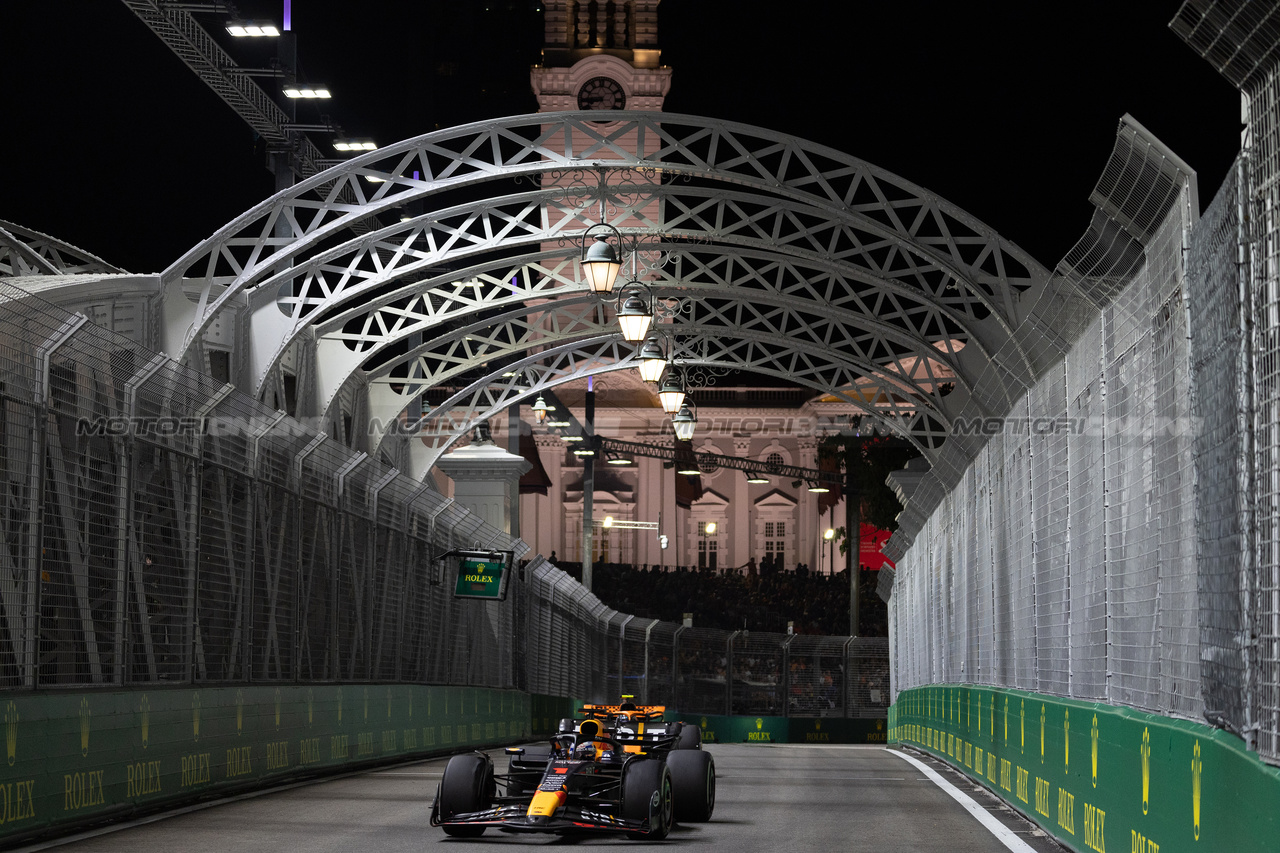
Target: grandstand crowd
x=764 y=599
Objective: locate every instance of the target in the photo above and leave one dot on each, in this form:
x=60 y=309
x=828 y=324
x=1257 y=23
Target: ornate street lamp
x=634 y=313
x=671 y=392
x=684 y=422
x=540 y=409
x=652 y=360
x=600 y=260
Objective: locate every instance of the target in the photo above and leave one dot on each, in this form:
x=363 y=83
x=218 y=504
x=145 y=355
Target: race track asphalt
x=771 y=799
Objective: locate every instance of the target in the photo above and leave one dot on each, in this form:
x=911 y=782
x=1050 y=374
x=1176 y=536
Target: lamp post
x=830 y=536
x=588 y=481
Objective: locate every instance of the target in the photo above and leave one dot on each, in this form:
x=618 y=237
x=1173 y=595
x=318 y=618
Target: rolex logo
x=1145 y=751
x=1197 y=768
x=84 y=726
x=195 y=716
x=1042 y=734
x=759 y=723
x=1066 y=739
x=144 y=711
x=11 y=732
x=1093 y=749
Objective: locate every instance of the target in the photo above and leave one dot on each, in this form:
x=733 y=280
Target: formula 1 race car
x=616 y=768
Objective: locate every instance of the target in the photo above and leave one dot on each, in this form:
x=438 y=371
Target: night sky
x=113 y=145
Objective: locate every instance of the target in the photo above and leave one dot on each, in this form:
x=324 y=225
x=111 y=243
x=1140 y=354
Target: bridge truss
x=773 y=255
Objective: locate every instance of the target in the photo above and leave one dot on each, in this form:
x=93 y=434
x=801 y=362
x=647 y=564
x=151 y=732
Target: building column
x=740 y=550
x=807 y=509
x=486 y=480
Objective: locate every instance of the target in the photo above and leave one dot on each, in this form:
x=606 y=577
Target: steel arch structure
x=790 y=259
x=25 y=252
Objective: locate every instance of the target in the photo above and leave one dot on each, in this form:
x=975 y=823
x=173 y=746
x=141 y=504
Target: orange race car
x=613 y=768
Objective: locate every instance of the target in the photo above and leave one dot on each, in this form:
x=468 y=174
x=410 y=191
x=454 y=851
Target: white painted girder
x=792 y=240
x=531 y=144
x=488 y=396
x=350 y=269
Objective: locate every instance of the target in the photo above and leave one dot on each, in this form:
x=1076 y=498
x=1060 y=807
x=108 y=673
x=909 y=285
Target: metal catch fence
x=1125 y=553
x=160 y=528
x=584 y=649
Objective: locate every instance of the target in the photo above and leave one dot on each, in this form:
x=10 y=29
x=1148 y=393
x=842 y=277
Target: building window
x=775 y=542
x=708 y=554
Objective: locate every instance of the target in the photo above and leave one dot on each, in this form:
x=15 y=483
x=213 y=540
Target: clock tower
x=601 y=55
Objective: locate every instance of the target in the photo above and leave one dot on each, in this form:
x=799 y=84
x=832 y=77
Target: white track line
x=1004 y=834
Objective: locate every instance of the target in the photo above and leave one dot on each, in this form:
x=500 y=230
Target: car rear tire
x=690 y=737
x=693 y=781
x=467 y=786
x=641 y=779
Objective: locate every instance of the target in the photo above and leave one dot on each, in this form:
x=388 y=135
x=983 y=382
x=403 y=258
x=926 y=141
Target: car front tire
x=467 y=786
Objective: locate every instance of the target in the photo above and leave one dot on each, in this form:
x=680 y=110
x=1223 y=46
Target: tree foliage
x=871 y=459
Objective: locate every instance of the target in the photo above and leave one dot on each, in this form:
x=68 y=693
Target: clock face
x=601 y=93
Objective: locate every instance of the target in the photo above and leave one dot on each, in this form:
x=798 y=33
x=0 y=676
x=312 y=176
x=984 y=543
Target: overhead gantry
x=457 y=266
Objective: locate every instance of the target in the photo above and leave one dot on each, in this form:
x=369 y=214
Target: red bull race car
x=614 y=768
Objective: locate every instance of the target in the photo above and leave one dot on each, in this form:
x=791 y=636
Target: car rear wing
x=635 y=712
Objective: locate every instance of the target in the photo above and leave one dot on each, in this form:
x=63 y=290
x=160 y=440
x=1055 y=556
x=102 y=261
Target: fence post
x=622 y=654
x=246 y=663
x=40 y=422
x=728 y=672
x=132 y=550
x=335 y=664
x=644 y=699
x=675 y=666
x=786 y=674
x=847 y=687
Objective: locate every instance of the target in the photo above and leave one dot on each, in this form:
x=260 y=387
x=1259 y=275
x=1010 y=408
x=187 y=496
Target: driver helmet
x=586 y=749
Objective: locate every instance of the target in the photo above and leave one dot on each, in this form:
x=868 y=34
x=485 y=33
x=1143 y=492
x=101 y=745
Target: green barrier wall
x=1100 y=778
x=723 y=729
x=73 y=758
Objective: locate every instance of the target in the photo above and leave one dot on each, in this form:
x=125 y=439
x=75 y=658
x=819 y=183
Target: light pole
x=830 y=536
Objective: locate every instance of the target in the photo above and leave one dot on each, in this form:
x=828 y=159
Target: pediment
x=777 y=498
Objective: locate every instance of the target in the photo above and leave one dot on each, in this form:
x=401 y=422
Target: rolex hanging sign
x=481 y=574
